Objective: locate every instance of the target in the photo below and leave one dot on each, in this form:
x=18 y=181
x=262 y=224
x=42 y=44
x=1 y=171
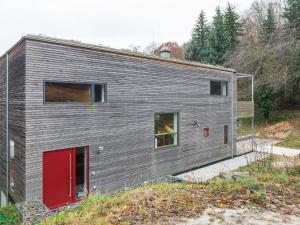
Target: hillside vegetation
x=272 y=184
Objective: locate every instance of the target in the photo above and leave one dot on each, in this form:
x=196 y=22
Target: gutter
x=7 y=135
x=232 y=117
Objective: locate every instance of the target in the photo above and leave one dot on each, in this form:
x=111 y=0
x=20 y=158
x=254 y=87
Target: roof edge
x=79 y=44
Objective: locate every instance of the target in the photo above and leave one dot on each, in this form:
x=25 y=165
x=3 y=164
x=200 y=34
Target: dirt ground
x=246 y=216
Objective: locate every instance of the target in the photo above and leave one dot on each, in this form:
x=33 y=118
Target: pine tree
x=199 y=38
x=269 y=25
x=292 y=14
x=192 y=51
x=232 y=26
x=216 y=47
x=200 y=31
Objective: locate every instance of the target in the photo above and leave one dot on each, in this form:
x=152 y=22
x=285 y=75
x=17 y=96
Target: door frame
x=73 y=175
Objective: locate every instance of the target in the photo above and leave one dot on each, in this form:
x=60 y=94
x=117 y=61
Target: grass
x=164 y=202
x=293 y=141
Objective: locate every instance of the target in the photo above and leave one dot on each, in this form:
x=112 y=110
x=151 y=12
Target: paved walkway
x=262 y=145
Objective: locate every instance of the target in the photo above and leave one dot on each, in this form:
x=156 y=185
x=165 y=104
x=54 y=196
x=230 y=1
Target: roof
x=102 y=48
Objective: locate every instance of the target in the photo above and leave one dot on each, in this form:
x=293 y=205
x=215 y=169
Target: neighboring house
x=84 y=118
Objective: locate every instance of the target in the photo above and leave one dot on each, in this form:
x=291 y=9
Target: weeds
x=270 y=185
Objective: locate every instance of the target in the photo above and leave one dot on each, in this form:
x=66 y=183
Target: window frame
x=92 y=94
x=178 y=131
x=12 y=165
x=222 y=82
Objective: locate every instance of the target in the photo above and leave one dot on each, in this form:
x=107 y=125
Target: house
x=83 y=118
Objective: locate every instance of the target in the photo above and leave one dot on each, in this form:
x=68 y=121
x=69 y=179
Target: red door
x=58 y=177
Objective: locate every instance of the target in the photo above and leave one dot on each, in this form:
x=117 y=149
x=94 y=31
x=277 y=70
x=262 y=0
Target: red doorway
x=65 y=176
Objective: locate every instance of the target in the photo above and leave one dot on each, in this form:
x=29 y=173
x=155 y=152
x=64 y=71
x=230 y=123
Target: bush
x=9 y=215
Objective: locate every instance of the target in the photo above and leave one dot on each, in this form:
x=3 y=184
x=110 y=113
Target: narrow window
x=225 y=134
x=99 y=93
x=81 y=172
x=166 y=128
x=218 y=88
x=67 y=92
x=12 y=164
x=206 y=132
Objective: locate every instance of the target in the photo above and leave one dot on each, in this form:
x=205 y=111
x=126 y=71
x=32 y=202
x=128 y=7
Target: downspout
x=7 y=137
x=252 y=120
x=232 y=120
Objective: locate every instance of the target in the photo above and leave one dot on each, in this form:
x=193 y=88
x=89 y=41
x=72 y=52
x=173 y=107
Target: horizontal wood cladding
x=137 y=88
x=245 y=109
x=16 y=122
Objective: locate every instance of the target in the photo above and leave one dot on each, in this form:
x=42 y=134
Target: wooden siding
x=245 y=109
x=16 y=121
x=137 y=88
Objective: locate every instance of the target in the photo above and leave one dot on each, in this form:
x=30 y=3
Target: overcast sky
x=115 y=23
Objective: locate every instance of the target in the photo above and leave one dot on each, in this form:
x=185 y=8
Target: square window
x=166 y=128
x=218 y=88
x=206 y=132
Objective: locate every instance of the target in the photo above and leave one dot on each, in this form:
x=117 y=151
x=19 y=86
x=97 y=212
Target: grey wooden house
x=81 y=118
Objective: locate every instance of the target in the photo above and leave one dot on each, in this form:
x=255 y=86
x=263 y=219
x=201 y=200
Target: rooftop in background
x=102 y=48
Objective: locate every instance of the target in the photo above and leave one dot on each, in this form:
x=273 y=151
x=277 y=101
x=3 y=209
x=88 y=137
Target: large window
x=74 y=92
x=218 y=88
x=166 y=129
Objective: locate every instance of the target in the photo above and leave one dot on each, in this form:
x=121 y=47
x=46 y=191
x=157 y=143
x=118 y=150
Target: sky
x=113 y=23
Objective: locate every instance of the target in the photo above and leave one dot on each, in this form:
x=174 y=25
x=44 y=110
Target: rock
x=233 y=175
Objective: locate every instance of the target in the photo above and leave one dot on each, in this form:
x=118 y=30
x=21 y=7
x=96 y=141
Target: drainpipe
x=232 y=120
x=252 y=120
x=7 y=144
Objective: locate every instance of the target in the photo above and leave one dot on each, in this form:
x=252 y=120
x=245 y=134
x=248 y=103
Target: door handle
x=70 y=164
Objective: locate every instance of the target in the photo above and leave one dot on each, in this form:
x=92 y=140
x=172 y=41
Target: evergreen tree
x=269 y=25
x=199 y=37
x=232 y=26
x=292 y=14
x=216 y=47
x=200 y=31
x=192 y=51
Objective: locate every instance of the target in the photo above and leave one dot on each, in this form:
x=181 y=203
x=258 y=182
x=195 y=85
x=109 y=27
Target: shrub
x=9 y=215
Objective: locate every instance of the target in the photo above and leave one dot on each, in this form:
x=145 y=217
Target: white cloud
x=117 y=23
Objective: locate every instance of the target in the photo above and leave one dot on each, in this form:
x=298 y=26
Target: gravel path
x=244 y=216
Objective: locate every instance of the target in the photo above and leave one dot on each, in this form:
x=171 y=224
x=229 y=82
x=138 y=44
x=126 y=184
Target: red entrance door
x=58 y=174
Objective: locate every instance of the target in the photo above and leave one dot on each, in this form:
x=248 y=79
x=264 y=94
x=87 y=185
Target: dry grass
x=275 y=188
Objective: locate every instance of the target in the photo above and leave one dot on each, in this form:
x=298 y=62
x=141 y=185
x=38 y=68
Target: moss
x=9 y=215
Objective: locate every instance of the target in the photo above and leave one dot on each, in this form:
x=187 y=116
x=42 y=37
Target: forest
x=263 y=41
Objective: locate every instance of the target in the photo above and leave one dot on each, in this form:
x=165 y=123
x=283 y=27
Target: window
x=99 y=92
x=206 y=132
x=218 y=88
x=56 y=92
x=225 y=134
x=166 y=128
x=12 y=164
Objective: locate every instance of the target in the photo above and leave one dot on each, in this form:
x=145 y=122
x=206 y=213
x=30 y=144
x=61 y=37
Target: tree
x=232 y=26
x=200 y=31
x=151 y=47
x=264 y=101
x=269 y=25
x=199 y=38
x=192 y=51
x=292 y=14
x=216 y=44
